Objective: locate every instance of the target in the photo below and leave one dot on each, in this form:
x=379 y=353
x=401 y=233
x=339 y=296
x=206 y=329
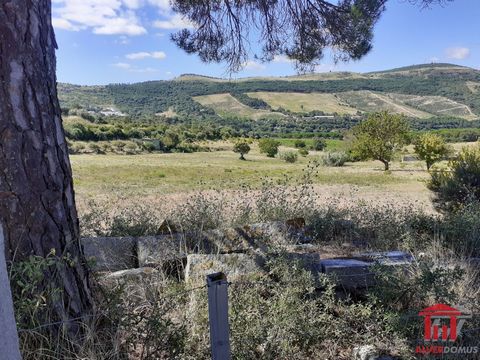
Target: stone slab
x=110 y=253
x=160 y=250
x=349 y=273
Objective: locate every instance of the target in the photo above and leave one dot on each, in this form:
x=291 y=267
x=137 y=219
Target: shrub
x=95 y=148
x=460 y=230
x=119 y=145
x=268 y=147
x=289 y=156
x=149 y=146
x=242 y=148
x=299 y=144
x=319 y=144
x=130 y=148
x=104 y=220
x=303 y=152
x=460 y=185
x=334 y=159
x=76 y=148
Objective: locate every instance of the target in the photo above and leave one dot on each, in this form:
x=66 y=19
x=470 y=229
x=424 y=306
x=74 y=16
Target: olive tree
x=268 y=147
x=379 y=137
x=431 y=148
x=242 y=148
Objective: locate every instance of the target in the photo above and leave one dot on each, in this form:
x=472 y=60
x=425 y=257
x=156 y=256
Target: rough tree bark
x=37 y=205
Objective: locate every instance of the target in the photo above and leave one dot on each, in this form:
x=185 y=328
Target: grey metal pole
x=218 y=316
x=9 y=345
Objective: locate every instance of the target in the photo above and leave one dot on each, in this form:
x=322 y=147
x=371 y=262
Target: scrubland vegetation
x=287 y=314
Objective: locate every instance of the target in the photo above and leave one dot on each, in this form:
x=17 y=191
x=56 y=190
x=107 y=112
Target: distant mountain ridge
x=419 y=91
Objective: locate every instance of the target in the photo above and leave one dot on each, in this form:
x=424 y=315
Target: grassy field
x=161 y=178
x=227 y=105
x=303 y=103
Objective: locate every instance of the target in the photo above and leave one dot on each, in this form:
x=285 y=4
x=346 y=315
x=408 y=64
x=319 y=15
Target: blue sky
x=118 y=41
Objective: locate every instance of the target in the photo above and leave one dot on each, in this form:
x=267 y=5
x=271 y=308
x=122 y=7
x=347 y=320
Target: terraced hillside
x=302 y=103
x=227 y=105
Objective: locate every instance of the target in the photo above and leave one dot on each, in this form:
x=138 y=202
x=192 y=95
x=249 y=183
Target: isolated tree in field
x=431 y=148
x=460 y=184
x=379 y=137
x=298 y=29
x=268 y=147
x=37 y=204
x=242 y=148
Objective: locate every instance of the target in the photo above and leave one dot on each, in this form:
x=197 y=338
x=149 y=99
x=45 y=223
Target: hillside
x=439 y=93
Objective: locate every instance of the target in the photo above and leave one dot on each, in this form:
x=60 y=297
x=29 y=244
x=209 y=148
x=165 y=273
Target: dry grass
x=172 y=177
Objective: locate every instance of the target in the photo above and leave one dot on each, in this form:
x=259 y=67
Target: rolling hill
x=428 y=92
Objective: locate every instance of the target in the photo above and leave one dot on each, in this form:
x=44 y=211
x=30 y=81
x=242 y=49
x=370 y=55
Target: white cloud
x=163 y=5
x=64 y=24
x=253 y=65
x=282 y=59
x=120 y=26
x=143 y=70
x=144 y=55
x=132 y=4
x=114 y=17
x=434 y=59
x=174 y=22
x=320 y=68
x=133 y=69
x=107 y=17
x=122 y=65
x=458 y=53
x=123 y=40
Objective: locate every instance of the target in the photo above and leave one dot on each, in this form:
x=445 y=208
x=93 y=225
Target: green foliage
x=303 y=152
x=251 y=102
x=289 y=156
x=170 y=140
x=431 y=148
x=134 y=220
x=319 y=144
x=268 y=147
x=31 y=299
x=460 y=230
x=336 y=159
x=241 y=147
x=300 y=144
x=402 y=293
x=142 y=103
x=379 y=137
x=460 y=184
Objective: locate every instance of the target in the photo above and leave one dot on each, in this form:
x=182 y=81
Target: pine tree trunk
x=37 y=205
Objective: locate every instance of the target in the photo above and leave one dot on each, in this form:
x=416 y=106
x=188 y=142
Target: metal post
x=9 y=346
x=218 y=315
